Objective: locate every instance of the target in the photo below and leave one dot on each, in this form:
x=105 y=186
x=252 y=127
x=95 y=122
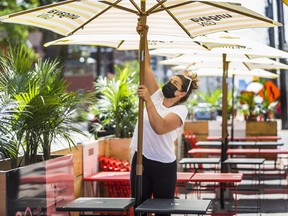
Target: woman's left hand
x=143 y=92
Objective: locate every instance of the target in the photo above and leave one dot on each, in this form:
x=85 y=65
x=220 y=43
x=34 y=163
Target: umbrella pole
x=224 y=140
x=224 y=113
x=232 y=115
x=142 y=56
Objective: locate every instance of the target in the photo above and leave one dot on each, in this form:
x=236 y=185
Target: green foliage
x=191 y=103
x=14 y=33
x=211 y=98
x=40 y=108
x=117 y=103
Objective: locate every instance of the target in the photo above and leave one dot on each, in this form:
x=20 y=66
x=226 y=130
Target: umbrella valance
x=218 y=72
x=129 y=43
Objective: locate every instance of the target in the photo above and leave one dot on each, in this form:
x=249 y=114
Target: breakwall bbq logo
x=57 y=13
x=210 y=20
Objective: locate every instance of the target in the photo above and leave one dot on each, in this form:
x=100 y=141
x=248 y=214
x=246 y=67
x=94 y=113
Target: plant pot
x=252 y=117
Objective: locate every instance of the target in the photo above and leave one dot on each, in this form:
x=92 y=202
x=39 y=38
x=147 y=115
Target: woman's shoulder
x=157 y=95
x=180 y=107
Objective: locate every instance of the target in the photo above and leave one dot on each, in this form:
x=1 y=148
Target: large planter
x=115 y=147
x=198 y=128
x=252 y=128
x=261 y=128
x=38 y=188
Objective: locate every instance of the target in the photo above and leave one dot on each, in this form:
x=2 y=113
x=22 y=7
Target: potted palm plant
x=116 y=104
x=212 y=103
x=117 y=108
x=44 y=108
x=248 y=105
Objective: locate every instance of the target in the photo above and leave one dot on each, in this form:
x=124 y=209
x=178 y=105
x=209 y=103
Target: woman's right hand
x=141 y=28
x=143 y=92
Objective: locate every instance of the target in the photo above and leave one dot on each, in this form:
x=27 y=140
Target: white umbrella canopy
x=225 y=43
x=233 y=51
x=201 y=61
x=236 y=72
x=174 y=18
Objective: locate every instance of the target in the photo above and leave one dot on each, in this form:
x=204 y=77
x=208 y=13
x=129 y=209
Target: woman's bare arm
x=160 y=125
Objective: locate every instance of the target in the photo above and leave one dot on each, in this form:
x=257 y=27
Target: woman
x=164 y=117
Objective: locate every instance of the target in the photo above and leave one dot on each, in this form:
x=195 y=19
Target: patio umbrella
x=198 y=61
x=181 y=18
x=205 y=72
x=166 y=18
x=237 y=66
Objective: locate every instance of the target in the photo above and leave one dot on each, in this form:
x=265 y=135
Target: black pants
x=158 y=179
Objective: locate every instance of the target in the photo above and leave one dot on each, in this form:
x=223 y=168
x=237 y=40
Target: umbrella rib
x=160 y=3
x=247 y=56
x=246 y=65
x=202 y=44
x=135 y=5
x=122 y=41
x=121 y=7
x=170 y=7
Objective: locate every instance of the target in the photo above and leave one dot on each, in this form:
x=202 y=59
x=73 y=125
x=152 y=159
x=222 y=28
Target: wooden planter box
x=261 y=128
x=198 y=128
x=115 y=147
x=253 y=128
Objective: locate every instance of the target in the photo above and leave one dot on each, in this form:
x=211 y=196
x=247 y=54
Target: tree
x=13 y=33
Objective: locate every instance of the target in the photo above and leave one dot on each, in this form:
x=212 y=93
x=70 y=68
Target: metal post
x=283 y=76
x=232 y=115
x=224 y=139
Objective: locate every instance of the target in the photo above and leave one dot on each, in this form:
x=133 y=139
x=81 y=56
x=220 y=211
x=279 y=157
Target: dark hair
x=185 y=78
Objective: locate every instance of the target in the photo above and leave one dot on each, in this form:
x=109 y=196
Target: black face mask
x=169 y=90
